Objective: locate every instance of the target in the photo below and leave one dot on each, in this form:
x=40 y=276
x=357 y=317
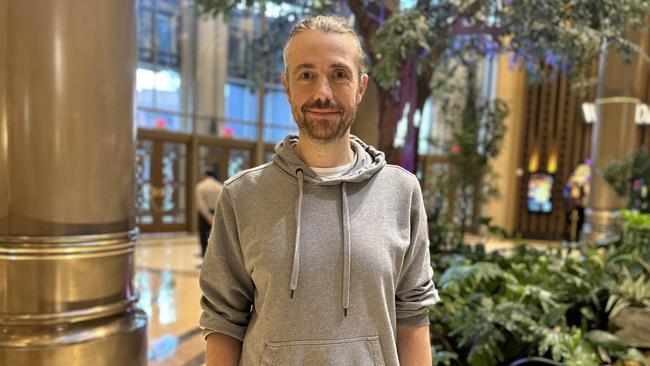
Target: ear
x=285 y=84
x=363 y=84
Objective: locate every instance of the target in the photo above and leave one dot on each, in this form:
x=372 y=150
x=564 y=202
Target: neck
x=325 y=155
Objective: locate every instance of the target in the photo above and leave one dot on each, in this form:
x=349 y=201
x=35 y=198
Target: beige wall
x=511 y=88
x=366 y=125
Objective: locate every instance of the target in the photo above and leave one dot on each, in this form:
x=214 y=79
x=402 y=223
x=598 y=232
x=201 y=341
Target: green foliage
x=623 y=175
x=492 y=230
x=635 y=220
x=496 y=309
x=442 y=357
x=401 y=36
x=566 y=34
x=615 y=348
x=435 y=37
x=628 y=291
x=567 y=346
x=477 y=131
x=636 y=239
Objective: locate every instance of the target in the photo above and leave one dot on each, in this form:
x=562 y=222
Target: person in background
x=207 y=194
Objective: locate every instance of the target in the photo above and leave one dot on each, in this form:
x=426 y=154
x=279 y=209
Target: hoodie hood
x=369 y=161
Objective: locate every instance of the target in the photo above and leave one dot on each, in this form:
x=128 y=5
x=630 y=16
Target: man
x=320 y=257
x=207 y=194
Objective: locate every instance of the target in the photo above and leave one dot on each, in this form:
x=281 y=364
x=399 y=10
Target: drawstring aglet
x=291 y=294
x=345 y=312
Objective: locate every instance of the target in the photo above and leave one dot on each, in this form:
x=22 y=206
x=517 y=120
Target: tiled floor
x=167 y=278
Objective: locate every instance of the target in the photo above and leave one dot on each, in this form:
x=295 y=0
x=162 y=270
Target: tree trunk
x=388 y=118
x=408 y=94
x=413 y=87
x=390 y=113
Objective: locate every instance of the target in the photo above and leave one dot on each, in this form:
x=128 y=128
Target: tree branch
x=457 y=28
x=368 y=22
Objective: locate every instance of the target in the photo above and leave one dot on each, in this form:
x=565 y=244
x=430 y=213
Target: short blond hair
x=326 y=24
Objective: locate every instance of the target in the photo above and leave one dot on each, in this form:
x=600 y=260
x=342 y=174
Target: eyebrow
x=305 y=66
x=341 y=66
x=334 y=66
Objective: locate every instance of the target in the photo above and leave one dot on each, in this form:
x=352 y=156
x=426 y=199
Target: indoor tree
x=407 y=42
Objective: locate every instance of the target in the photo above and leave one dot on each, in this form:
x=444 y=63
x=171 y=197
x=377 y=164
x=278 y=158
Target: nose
x=323 y=91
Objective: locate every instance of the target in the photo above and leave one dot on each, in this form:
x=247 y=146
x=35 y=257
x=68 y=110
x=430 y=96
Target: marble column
x=67 y=227
x=211 y=72
x=615 y=131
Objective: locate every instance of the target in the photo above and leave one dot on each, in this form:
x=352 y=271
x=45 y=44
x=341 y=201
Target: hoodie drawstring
x=295 y=269
x=346 y=249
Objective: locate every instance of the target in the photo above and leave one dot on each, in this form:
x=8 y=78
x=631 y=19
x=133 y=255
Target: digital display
x=540 y=186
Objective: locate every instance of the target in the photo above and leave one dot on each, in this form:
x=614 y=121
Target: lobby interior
x=111 y=110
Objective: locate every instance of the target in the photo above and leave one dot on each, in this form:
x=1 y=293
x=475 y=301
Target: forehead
x=318 y=48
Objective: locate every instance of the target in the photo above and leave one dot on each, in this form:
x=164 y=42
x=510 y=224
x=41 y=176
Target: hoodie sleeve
x=227 y=288
x=415 y=289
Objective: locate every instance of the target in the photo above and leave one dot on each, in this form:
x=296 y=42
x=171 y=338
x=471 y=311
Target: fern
x=630 y=292
x=536 y=303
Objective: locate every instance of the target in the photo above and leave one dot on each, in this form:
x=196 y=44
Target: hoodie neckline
x=368 y=161
x=336 y=171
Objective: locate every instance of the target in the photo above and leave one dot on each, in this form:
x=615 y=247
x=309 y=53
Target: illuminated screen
x=539 y=193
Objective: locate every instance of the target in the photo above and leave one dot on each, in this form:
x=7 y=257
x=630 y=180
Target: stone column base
x=601 y=225
x=119 y=340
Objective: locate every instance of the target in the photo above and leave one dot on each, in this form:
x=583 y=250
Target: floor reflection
x=167 y=270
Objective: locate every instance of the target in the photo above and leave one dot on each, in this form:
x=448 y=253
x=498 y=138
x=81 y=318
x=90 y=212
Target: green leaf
x=633 y=354
x=605 y=339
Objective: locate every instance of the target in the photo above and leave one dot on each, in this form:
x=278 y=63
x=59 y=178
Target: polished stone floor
x=167 y=271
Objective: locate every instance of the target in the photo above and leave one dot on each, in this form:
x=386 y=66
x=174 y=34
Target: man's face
x=322 y=83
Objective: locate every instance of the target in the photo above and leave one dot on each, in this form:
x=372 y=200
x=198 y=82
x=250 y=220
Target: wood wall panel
x=553 y=121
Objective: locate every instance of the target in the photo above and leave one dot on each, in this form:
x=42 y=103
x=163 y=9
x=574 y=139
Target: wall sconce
x=641 y=114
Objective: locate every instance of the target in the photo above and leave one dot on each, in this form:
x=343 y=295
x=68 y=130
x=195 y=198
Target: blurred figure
x=207 y=194
x=576 y=198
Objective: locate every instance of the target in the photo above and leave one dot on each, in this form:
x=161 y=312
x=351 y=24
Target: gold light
x=533 y=163
x=551 y=166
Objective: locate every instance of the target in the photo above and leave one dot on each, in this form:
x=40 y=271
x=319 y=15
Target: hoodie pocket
x=360 y=351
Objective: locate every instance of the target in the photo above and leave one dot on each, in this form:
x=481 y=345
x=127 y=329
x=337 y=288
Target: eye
x=306 y=75
x=340 y=74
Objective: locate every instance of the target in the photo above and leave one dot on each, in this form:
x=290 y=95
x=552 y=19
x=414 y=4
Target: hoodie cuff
x=206 y=332
x=217 y=324
x=419 y=320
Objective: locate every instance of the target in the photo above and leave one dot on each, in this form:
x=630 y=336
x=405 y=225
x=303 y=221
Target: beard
x=321 y=129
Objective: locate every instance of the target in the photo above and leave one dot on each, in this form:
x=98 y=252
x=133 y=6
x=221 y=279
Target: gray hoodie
x=306 y=270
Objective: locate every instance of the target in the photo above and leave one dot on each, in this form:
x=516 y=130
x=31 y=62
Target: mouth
x=323 y=112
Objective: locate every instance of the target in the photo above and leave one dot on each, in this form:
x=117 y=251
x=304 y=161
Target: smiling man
x=320 y=257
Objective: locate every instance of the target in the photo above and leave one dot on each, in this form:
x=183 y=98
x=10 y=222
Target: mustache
x=319 y=104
